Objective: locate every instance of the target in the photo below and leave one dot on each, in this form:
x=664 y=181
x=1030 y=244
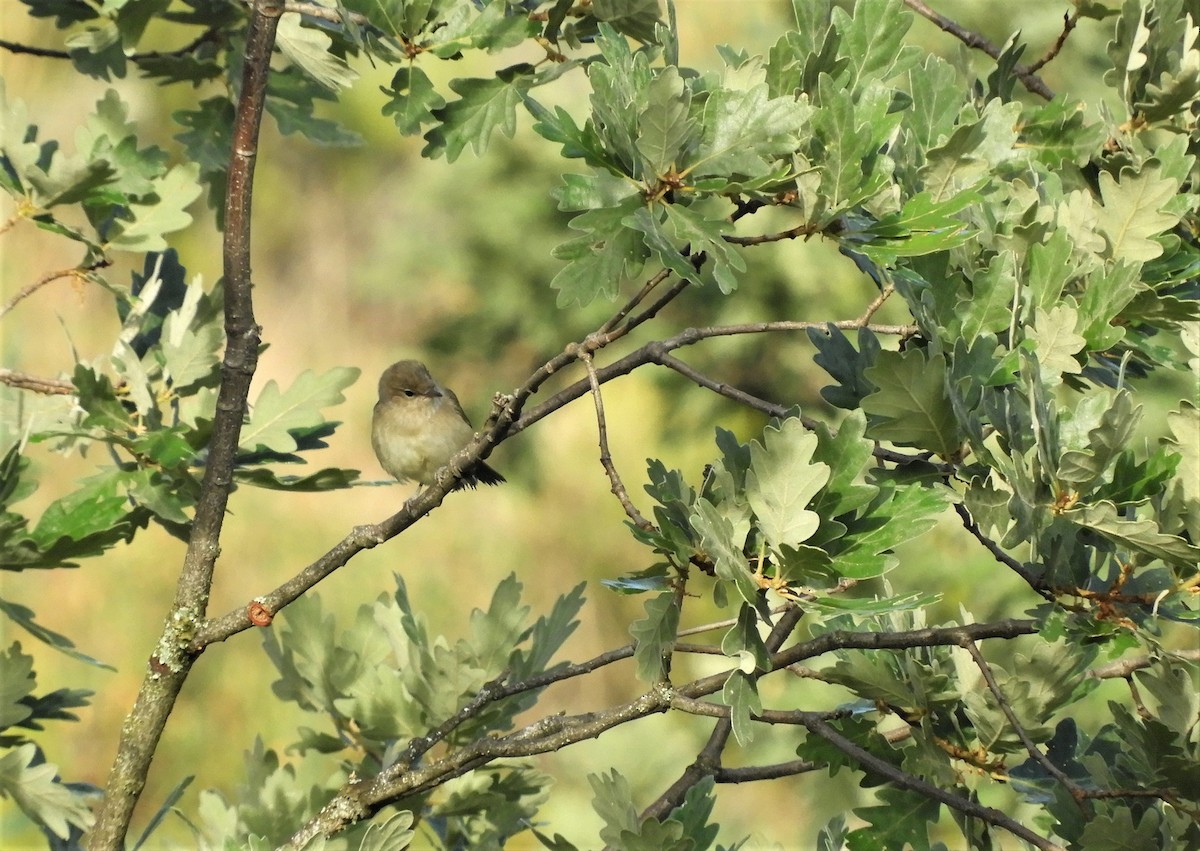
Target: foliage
x=1046 y=251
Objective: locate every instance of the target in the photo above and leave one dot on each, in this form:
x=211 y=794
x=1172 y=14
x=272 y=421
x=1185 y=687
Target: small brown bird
x=418 y=425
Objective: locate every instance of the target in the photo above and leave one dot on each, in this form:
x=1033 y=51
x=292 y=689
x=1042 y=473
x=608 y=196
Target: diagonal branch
x=78 y=273
x=1025 y=74
x=871 y=763
x=1030 y=746
x=999 y=554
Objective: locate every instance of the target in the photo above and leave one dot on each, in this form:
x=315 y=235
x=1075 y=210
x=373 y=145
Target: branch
x=206 y=36
x=1000 y=555
x=903 y=779
x=1122 y=668
x=79 y=273
x=708 y=761
x=1069 y=21
x=1030 y=746
x=361 y=799
x=606 y=461
x=25 y=381
x=173 y=658
x=1024 y=73
x=751 y=773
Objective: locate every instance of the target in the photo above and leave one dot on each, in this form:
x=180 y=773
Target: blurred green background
x=366 y=255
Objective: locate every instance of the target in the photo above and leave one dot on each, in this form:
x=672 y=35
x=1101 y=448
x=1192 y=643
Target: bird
x=418 y=426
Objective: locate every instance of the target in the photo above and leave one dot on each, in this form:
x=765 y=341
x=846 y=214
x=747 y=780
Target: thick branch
x=172 y=659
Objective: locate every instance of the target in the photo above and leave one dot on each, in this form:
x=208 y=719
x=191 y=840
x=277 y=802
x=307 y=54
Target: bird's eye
x=410 y=393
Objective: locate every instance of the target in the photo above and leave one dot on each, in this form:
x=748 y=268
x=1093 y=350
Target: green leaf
x=699 y=234
x=1050 y=265
x=740 y=694
x=1132 y=213
x=972 y=151
x=391 y=834
x=654 y=835
x=16 y=686
x=276 y=412
x=483 y=106
x=664 y=128
x=718 y=542
x=1140 y=536
x=33 y=785
x=497 y=26
x=83 y=523
x=1056 y=343
x=937 y=100
x=413 y=100
x=896 y=516
x=874 y=39
x=192 y=337
x=992 y=300
x=922 y=226
x=1107 y=294
x=693 y=814
x=849 y=137
x=744 y=643
x=911 y=407
x=548 y=635
x=613 y=802
x=23 y=617
x=845 y=364
x=601 y=261
x=309 y=49
x=1184 y=439
x=635 y=18
x=655 y=635
x=164 y=214
x=902 y=820
x=782 y=481
x=744 y=131
x=846 y=454
x=1082 y=467
x=327 y=479
x=1058 y=133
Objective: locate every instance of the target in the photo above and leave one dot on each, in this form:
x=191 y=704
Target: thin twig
x=708 y=760
x=606 y=461
x=751 y=773
x=195 y=44
x=871 y=763
x=637 y=299
x=79 y=273
x=1070 y=19
x=1028 y=78
x=1000 y=555
x=1030 y=746
x=805 y=230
